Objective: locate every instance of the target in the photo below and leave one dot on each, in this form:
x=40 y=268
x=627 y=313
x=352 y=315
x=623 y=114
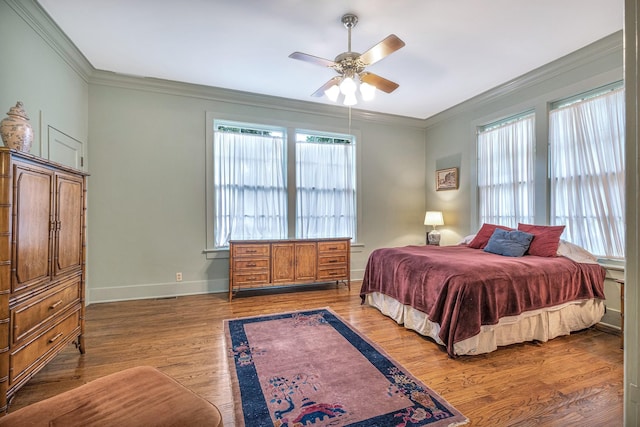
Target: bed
x=471 y=301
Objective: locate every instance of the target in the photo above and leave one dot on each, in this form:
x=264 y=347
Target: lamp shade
x=348 y=86
x=332 y=93
x=350 y=99
x=368 y=91
x=433 y=218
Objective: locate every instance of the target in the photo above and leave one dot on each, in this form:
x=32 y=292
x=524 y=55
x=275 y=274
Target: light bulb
x=348 y=86
x=368 y=91
x=350 y=99
x=332 y=93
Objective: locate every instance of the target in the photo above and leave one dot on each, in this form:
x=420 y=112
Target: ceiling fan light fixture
x=352 y=82
x=368 y=91
x=348 y=87
x=350 y=99
x=332 y=93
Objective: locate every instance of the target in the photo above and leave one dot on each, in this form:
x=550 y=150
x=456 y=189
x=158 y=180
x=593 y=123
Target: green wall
x=147 y=202
x=451 y=135
x=37 y=69
x=147 y=142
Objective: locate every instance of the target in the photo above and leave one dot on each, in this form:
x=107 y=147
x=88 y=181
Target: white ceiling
x=455 y=49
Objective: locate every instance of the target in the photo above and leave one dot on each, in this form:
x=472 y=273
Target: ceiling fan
x=351 y=68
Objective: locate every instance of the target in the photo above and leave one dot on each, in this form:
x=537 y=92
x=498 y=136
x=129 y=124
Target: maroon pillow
x=484 y=234
x=546 y=239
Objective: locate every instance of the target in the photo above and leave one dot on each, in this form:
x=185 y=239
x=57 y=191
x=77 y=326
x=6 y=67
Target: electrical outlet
x=178 y=277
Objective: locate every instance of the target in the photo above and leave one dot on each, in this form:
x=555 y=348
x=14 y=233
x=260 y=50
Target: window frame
x=487 y=127
x=541 y=105
x=278 y=134
x=291 y=128
x=585 y=96
x=353 y=142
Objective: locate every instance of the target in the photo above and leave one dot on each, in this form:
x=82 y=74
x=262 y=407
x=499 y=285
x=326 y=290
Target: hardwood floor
x=569 y=381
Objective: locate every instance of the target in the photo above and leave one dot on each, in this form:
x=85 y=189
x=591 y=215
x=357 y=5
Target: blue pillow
x=509 y=243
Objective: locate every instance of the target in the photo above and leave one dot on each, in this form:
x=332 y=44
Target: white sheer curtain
x=250 y=187
x=587 y=172
x=506 y=172
x=326 y=190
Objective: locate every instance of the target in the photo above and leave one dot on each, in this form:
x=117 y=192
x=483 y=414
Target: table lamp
x=433 y=218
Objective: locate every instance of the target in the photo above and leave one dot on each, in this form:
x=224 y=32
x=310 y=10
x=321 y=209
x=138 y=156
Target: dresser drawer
x=251 y=250
x=34 y=312
x=337 y=246
x=28 y=357
x=250 y=264
x=332 y=260
x=258 y=278
x=336 y=273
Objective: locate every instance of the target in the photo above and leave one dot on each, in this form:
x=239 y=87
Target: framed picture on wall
x=447 y=179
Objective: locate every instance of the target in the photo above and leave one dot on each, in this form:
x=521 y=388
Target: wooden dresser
x=269 y=263
x=42 y=265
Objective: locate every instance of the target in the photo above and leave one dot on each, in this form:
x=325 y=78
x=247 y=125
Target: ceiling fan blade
x=382 y=49
x=379 y=82
x=320 y=92
x=312 y=59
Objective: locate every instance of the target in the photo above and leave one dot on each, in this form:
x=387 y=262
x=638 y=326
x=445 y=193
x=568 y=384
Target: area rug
x=311 y=368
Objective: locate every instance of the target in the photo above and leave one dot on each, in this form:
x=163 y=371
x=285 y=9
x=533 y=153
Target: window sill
x=216 y=253
x=612 y=264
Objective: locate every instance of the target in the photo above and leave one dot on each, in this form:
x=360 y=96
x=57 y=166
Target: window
x=586 y=143
x=325 y=186
x=250 y=192
x=250 y=198
x=505 y=171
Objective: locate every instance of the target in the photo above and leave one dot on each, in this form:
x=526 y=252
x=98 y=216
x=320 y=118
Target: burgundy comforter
x=462 y=288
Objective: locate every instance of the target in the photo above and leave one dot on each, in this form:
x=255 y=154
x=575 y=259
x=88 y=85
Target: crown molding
x=169 y=87
x=43 y=25
x=610 y=44
x=36 y=17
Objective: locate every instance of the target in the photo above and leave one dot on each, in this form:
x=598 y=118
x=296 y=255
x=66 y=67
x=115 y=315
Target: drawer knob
x=333 y=260
x=55 y=338
x=251 y=264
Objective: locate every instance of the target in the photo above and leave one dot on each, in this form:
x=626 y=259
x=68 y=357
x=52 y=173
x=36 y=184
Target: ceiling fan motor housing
x=349 y=63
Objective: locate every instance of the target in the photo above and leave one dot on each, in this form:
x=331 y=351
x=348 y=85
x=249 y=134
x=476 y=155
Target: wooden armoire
x=42 y=265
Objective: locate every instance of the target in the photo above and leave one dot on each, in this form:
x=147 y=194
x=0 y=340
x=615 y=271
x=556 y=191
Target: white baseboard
x=612 y=318
x=167 y=290
x=155 y=290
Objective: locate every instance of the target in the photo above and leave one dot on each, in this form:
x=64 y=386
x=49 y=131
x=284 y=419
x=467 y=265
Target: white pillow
x=576 y=253
x=467 y=239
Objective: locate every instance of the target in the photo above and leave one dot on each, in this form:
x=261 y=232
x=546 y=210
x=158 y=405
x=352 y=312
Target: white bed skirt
x=540 y=325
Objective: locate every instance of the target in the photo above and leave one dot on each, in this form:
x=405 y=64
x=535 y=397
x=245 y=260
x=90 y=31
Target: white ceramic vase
x=15 y=129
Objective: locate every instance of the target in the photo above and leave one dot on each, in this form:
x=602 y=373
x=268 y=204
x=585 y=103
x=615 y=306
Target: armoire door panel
x=32 y=226
x=68 y=244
